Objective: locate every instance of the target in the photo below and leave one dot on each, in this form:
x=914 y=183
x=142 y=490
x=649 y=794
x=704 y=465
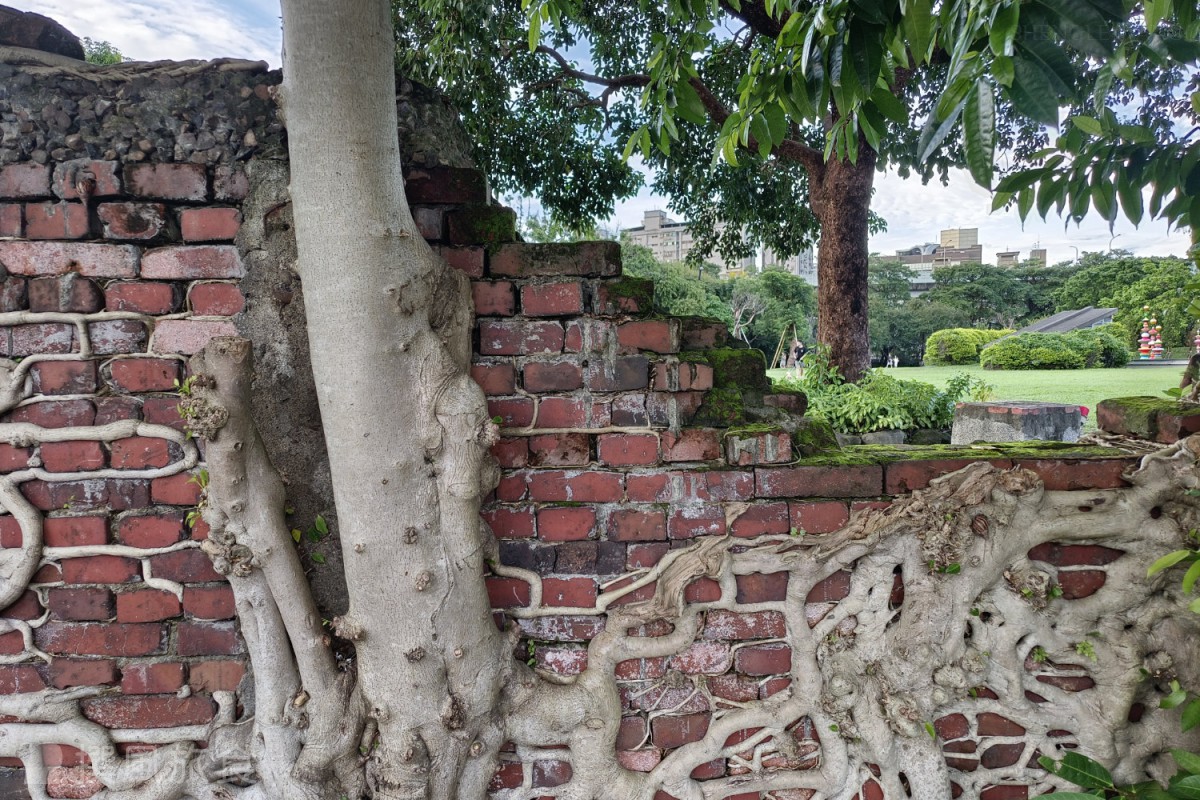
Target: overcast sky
x=182 y=29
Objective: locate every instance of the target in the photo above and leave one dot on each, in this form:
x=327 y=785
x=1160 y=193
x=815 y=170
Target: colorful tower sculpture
x=1144 y=337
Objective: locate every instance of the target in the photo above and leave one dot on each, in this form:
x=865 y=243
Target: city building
x=1008 y=258
x=803 y=265
x=670 y=241
x=959 y=238
x=957 y=246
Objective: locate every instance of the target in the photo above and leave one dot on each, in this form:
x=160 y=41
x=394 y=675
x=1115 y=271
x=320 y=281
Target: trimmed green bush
x=1032 y=351
x=1099 y=348
x=957 y=346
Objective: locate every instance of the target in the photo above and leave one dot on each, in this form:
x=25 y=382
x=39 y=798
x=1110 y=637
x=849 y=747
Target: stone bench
x=1016 y=421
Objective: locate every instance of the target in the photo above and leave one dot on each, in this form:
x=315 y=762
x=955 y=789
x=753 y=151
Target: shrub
x=1074 y=350
x=957 y=346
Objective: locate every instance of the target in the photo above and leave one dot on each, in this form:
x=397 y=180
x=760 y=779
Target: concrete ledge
x=1016 y=421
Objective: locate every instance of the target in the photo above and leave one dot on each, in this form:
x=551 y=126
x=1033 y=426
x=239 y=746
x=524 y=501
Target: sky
x=915 y=213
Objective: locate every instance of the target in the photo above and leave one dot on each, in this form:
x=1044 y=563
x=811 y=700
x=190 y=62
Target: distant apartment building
x=1012 y=258
x=669 y=241
x=958 y=246
x=959 y=238
x=803 y=265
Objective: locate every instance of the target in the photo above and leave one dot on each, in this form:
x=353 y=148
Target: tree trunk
x=406 y=428
x=841 y=199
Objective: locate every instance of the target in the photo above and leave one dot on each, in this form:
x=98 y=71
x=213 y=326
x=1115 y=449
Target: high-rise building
x=959 y=238
x=670 y=241
x=803 y=265
x=1038 y=255
x=1008 y=258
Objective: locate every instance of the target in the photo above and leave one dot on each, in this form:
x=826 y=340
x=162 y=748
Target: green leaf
x=1194 y=606
x=1083 y=771
x=1002 y=70
x=918 y=27
x=1025 y=203
x=1087 y=124
x=1189 y=580
x=320 y=524
x=1032 y=91
x=317 y=558
x=1131 y=200
x=1155 y=10
x=535 y=30
x=688 y=104
x=1188 y=762
x=1176 y=698
x=296 y=534
x=1081 y=26
x=979 y=131
x=1191 y=716
x=934 y=133
x=1167 y=561
x=1186 y=789
x=776 y=122
x=890 y=106
x=1004 y=30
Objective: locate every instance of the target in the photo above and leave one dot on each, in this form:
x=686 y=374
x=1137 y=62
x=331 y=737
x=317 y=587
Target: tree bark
x=841 y=200
x=406 y=428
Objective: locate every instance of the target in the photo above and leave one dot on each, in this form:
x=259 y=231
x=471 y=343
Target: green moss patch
x=873 y=454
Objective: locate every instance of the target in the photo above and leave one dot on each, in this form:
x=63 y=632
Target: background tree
x=101 y=52
x=799 y=106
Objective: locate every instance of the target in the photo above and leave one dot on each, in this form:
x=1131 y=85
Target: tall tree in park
x=774 y=117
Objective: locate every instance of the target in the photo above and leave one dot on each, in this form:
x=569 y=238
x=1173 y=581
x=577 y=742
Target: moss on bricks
x=877 y=454
x=639 y=290
x=722 y=408
x=739 y=369
x=814 y=437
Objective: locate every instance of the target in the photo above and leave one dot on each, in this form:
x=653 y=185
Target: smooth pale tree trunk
x=406 y=429
x=841 y=199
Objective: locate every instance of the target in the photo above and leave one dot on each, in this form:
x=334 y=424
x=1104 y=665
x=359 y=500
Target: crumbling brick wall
x=625 y=435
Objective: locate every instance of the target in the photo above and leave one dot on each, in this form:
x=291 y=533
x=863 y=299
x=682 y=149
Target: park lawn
x=1083 y=387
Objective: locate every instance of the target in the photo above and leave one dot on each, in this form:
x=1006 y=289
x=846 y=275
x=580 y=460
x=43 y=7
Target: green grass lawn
x=1083 y=387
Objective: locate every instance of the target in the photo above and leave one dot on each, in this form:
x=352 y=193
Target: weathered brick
x=99 y=178
x=13 y=458
x=628 y=295
x=552 y=299
x=628 y=525
x=486 y=225
x=676 y=731
x=149 y=711
x=584 y=259
x=113 y=408
x=507 y=592
x=100 y=639
x=990 y=724
x=80 y=605
x=764 y=659
x=831 y=589
x=144 y=374
x=209 y=602
x=230 y=183
x=548 y=773
x=847 y=481
x=819 y=517
x=150 y=530
x=495 y=378
x=147 y=605
x=64 y=377
x=519 y=337
x=467 y=260
x=68 y=672
x=132 y=221
x=908 y=476
x=509 y=775
x=139 y=452
x=100 y=569
x=58 y=258
x=1079 y=583
x=728 y=625
x=576 y=558
x=209 y=224
x=621 y=374
x=75 y=531
x=573 y=412
x=762 y=587
x=215 y=676
x=762 y=519
x=703 y=658
x=72 y=456
x=144 y=298
x=658 y=335
x=565 y=524
x=431 y=222
x=569 y=592
x=207 y=639
x=56 y=413
x=1075 y=555
x=445 y=185
x=38 y=338
x=56 y=221
x=1063 y=475
x=511 y=453
x=163 y=411
x=65 y=293
x=157 y=678
x=167 y=181
x=551 y=376
x=691 y=444
x=746 y=448
x=687 y=522
x=216 y=299
x=559 y=450
x=493 y=298
x=192 y=262
x=25 y=180
x=113 y=336
x=627 y=449
x=588 y=335
x=632 y=733
x=184 y=566
x=188 y=336
x=514 y=412
x=12 y=220
x=646 y=555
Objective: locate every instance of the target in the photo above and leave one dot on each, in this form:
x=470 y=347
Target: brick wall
x=625 y=435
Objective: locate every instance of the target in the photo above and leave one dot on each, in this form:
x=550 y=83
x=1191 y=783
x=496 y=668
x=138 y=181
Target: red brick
x=495 y=378
x=1069 y=475
x=850 y=481
x=147 y=605
x=144 y=374
x=819 y=517
x=163 y=411
x=702 y=590
x=159 y=678
x=552 y=299
x=583 y=259
x=552 y=376
x=728 y=625
x=149 y=711
x=56 y=413
x=431 y=222
x=207 y=638
x=627 y=449
x=508 y=775
x=150 y=530
x=188 y=336
x=192 y=262
x=216 y=299
x=14 y=458
x=482 y=224
x=59 y=258
x=70 y=174
x=64 y=377
x=56 y=221
x=657 y=335
x=559 y=450
x=686 y=522
x=573 y=412
x=65 y=293
x=26 y=607
x=669 y=732
x=114 y=408
x=518 y=337
x=99 y=639
x=215 y=676
x=565 y=524
x=632 y=733
x=990 y=724
x=230 y=184
x=908 y=476
x=765 y=659
x=511 y=453
x=145 y=298
x=80 y=605
x=507 y=592
x=209 y=602
x=184 y=566
x=646 y=555
x=1004 y=792
x=550 y=773
x=575 y=592
x=72 y=456
x=68 y=672
x=691 y=444
x=512 y=487
x=1075 y=555
x=25 y=180
x=1079 y=583
x=100 y=569
x=132 y=221
x=762 y=519
x=762 y=587
x=588 y=335
x=514 y=412
x=445 y=185
x=12 y=220
x=467 y=260
x=51 y=337
x=209 y=224
x=115 y=336
x=561 y=660
x=748 y=448
x=74 y=782
x=167 y=181
x=683 y=376
x=75 y=531
x=581 y=487
x=831 y=589
x=510 y=523
x=627 y=525
x=620 y=374
x=702 y=658
x=952 y=726
x=140 y=452
x=493 y=298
